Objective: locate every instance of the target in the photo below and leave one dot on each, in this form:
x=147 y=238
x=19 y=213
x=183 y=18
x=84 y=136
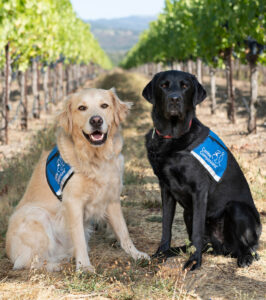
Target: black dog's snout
x=174 y=98
x=96 y=121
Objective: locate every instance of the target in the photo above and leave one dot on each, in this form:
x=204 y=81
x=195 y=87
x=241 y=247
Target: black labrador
x=196 y=170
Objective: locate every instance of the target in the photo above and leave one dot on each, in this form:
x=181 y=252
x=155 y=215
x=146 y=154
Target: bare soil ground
x=118 y=277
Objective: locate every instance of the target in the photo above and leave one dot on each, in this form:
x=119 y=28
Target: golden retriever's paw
x=85 y=269
x=141 y=255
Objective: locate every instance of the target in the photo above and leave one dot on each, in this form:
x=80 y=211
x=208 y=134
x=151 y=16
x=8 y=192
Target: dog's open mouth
x=96 y=137
x=174 y=113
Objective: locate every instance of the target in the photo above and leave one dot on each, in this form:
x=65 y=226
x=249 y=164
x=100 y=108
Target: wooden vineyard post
x=38 y=89
x=68 y=79
x=36 y=96
x=74 y=77
x=199 y=70
x=253 y=96
x=230 y=91
x=7 y=91
x=79 y=79
x=24 y=106
x=60 y=86
x=253 y=52
x=189 y=66
x=213 y=90
x=54 y=91
x=46 y=88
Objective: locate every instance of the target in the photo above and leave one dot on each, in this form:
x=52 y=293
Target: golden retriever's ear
x=65 y=117
x=121 y=109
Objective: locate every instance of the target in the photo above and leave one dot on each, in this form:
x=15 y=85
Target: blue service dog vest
x=58 y=172
x=213 y=155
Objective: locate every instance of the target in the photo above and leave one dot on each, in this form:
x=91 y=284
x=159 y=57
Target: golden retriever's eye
x=165 y=85
x=82 y=107
x=104 y=105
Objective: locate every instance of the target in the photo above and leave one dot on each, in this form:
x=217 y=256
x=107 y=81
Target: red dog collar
x=166 y=136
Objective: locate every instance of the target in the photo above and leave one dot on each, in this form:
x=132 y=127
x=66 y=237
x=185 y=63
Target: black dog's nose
x=174 y=98
x=96 y=121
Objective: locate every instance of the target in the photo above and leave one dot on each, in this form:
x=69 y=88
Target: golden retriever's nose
x=96 y=121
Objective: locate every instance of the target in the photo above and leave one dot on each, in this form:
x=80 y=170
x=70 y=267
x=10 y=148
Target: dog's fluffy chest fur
x=104 y=189
x=96 y=188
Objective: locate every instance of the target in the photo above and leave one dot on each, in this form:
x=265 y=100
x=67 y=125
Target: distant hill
x=117 y=36
x=134 y=23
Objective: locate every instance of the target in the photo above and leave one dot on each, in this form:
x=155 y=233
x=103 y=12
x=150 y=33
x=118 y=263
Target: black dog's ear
x=200 y=93
x=148 y=91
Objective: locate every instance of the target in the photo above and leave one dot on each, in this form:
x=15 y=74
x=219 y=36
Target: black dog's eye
x=183 y=85
x=165 y=84
x=104 y=105
x=82 y=107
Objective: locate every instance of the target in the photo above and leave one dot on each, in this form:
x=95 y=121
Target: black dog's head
x=174 y=95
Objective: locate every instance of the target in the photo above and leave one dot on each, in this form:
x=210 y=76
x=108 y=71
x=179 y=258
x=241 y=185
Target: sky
x=107 y=9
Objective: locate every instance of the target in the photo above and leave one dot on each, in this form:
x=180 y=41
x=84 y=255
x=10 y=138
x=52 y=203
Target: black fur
x=222 y=213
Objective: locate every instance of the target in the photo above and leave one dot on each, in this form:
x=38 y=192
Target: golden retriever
x=43 y=230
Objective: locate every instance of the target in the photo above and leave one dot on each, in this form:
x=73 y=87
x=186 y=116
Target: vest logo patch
x=58 y=172
x=212 y=154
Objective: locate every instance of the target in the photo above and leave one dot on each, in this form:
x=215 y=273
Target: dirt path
x=118 y=277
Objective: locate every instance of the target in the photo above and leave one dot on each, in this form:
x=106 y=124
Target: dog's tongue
x=97 y=135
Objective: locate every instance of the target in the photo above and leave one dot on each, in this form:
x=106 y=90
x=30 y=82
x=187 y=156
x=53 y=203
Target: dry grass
x=117 y=276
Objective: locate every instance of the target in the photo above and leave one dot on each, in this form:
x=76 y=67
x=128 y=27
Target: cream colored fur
x=43 y=231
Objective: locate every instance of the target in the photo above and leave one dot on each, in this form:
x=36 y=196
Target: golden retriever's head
x=93 y=114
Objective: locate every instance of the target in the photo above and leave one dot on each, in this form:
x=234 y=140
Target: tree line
x=43 y=37
x=214 y=32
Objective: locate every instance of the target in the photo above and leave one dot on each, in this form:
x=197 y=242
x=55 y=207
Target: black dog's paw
x=161 y=255
x=256 y=256
x=161 y=252
x=170 y=252
x=194 y=259
x=247 y=259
